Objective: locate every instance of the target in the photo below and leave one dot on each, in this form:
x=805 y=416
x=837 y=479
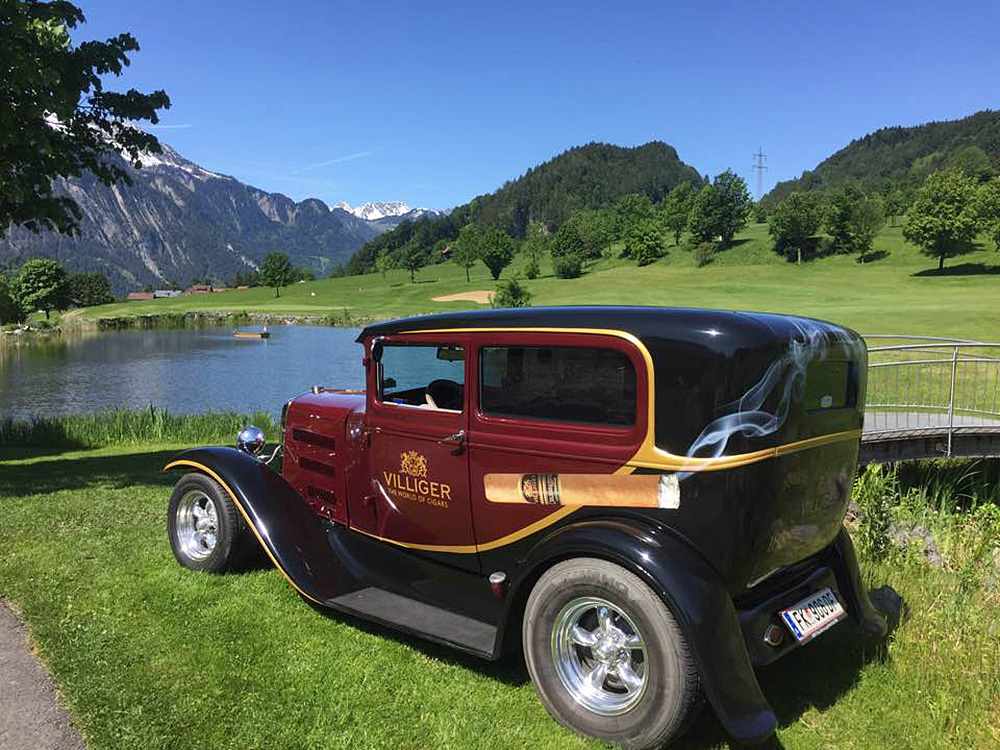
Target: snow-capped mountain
x=179 y=221
x=375 y=210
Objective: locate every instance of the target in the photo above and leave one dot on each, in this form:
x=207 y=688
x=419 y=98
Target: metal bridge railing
x=932 y=384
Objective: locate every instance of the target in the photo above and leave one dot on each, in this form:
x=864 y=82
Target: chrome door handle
x=457 y=439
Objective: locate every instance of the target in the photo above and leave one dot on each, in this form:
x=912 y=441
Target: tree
x=276 y=271
x=720 y=209
x=645 y=242
x=303 y=273
x=413 y=258
x=854 y=220
x=10 y=309
x=383 y=263
x=249 y=278
x=989 y=209
x=56 y=118
x=793 y=222
x=676 y=209
x=630 y=210
x=595 y=229
x=895 y=204
x=465 y=249
x=973 y=162
x=496 y=250
x=568 y=266
x=943 y=218
x=511 y=293
x=534 y=247
x=42 y=285
x=89 y=289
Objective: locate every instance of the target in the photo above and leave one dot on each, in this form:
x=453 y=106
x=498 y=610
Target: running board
x=420 y=618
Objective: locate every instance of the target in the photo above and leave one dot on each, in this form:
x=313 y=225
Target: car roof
x=642 y=322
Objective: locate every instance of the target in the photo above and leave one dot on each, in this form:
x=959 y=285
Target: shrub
x=511 y=293
x=875 y=492
x=703 y=253
x=531 y=270
x=568 y=266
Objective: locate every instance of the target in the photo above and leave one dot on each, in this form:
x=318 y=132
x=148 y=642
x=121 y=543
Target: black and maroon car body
x=381 y=509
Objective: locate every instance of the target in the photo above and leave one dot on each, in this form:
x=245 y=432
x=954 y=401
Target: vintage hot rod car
x=649 y=502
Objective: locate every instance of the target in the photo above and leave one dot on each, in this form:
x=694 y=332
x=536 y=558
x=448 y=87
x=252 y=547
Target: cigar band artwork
x=412 y=483
x=619 y=490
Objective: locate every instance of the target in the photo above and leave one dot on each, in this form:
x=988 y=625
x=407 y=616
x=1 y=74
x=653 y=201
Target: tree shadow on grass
x=57 y=474
x=962 y=269
x=872 y=256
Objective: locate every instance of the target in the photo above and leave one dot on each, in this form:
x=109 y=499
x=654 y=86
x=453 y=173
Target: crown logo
x=413 y=463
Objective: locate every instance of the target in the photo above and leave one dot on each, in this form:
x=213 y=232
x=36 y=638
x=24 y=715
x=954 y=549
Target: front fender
x=694 y=594
x=292 y=535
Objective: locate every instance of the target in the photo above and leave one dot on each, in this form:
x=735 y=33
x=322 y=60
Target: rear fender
x=292 y=535
x=692 y=591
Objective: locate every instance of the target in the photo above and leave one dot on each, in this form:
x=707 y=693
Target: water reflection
x=181 y=370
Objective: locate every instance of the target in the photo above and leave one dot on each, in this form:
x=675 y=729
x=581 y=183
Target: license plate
x=813 y=615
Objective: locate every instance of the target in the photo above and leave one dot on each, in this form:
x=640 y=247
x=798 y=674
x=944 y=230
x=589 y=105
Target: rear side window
x=570 y=384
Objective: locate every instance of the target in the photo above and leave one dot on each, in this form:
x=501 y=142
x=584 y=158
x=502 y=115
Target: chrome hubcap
x=599 y=656
x=197 y=525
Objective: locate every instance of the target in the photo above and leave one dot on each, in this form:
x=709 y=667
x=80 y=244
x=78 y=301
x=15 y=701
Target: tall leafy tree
x=944 y=217
x=465 y=249
x=895 y=204
x=10 y=308
x=496 y=250
x=89 y=289
x=645 y=242
x=276 y=271
x=629 y=212
x=42 y=285
x=721 y=209
x=794 y=222
x=383 y=263
x=676 y=209
x=413 y=257
x=534 y=247
x=56 y=117
x=989 y=209
x=854 y=220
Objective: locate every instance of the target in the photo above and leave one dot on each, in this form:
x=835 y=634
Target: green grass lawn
x=899 y=293
x=154 y=656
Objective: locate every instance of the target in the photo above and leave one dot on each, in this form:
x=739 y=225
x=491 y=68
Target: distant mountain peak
x=373 y=211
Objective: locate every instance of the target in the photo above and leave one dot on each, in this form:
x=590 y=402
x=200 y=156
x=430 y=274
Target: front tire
x=606 y=656
x=205 y=528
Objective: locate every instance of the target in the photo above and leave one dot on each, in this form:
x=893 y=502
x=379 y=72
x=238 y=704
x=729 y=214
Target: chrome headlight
x=251 y=440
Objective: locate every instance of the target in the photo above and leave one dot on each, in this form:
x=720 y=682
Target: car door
x=417 y=458
x=547 y=404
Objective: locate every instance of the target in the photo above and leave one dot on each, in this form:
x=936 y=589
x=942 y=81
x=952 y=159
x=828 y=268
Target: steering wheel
x=444 y=394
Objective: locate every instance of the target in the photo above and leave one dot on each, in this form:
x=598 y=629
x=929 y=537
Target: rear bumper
x=836 y=568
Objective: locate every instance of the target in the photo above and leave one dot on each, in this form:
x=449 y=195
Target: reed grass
x=114 y=427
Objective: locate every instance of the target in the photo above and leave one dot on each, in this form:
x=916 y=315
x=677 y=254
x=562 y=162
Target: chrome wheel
x=197 y=525
x=599 y=656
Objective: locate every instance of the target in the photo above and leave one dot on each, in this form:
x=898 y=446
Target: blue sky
x=434 y=103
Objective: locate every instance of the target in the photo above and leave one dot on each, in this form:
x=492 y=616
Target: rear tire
x=606 y=656
x=206 y=529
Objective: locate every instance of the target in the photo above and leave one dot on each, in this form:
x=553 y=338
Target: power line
x=759 y=166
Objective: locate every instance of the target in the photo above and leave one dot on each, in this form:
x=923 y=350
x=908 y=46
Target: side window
x=572 y=384
x=430 y=376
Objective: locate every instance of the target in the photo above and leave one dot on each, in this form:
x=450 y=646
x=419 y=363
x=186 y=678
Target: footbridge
x=931 y=397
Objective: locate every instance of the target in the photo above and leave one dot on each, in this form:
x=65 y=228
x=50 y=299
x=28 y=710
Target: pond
x=182 y=370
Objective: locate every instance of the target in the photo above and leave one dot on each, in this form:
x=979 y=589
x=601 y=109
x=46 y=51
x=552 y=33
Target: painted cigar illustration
x=624 y=491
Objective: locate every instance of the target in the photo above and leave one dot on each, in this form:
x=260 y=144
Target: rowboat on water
x=252 y=334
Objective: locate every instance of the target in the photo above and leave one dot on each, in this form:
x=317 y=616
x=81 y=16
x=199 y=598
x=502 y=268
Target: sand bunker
x=483 y=298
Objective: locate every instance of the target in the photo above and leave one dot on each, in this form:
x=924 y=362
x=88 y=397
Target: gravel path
x=32 y=717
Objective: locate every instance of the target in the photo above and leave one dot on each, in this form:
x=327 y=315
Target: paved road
x=31 y=715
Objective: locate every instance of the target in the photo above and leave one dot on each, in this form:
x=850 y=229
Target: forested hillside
x=587 y=177
x=906 y=156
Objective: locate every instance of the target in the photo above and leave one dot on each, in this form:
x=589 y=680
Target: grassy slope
x=150 y=655
x=885 y=296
